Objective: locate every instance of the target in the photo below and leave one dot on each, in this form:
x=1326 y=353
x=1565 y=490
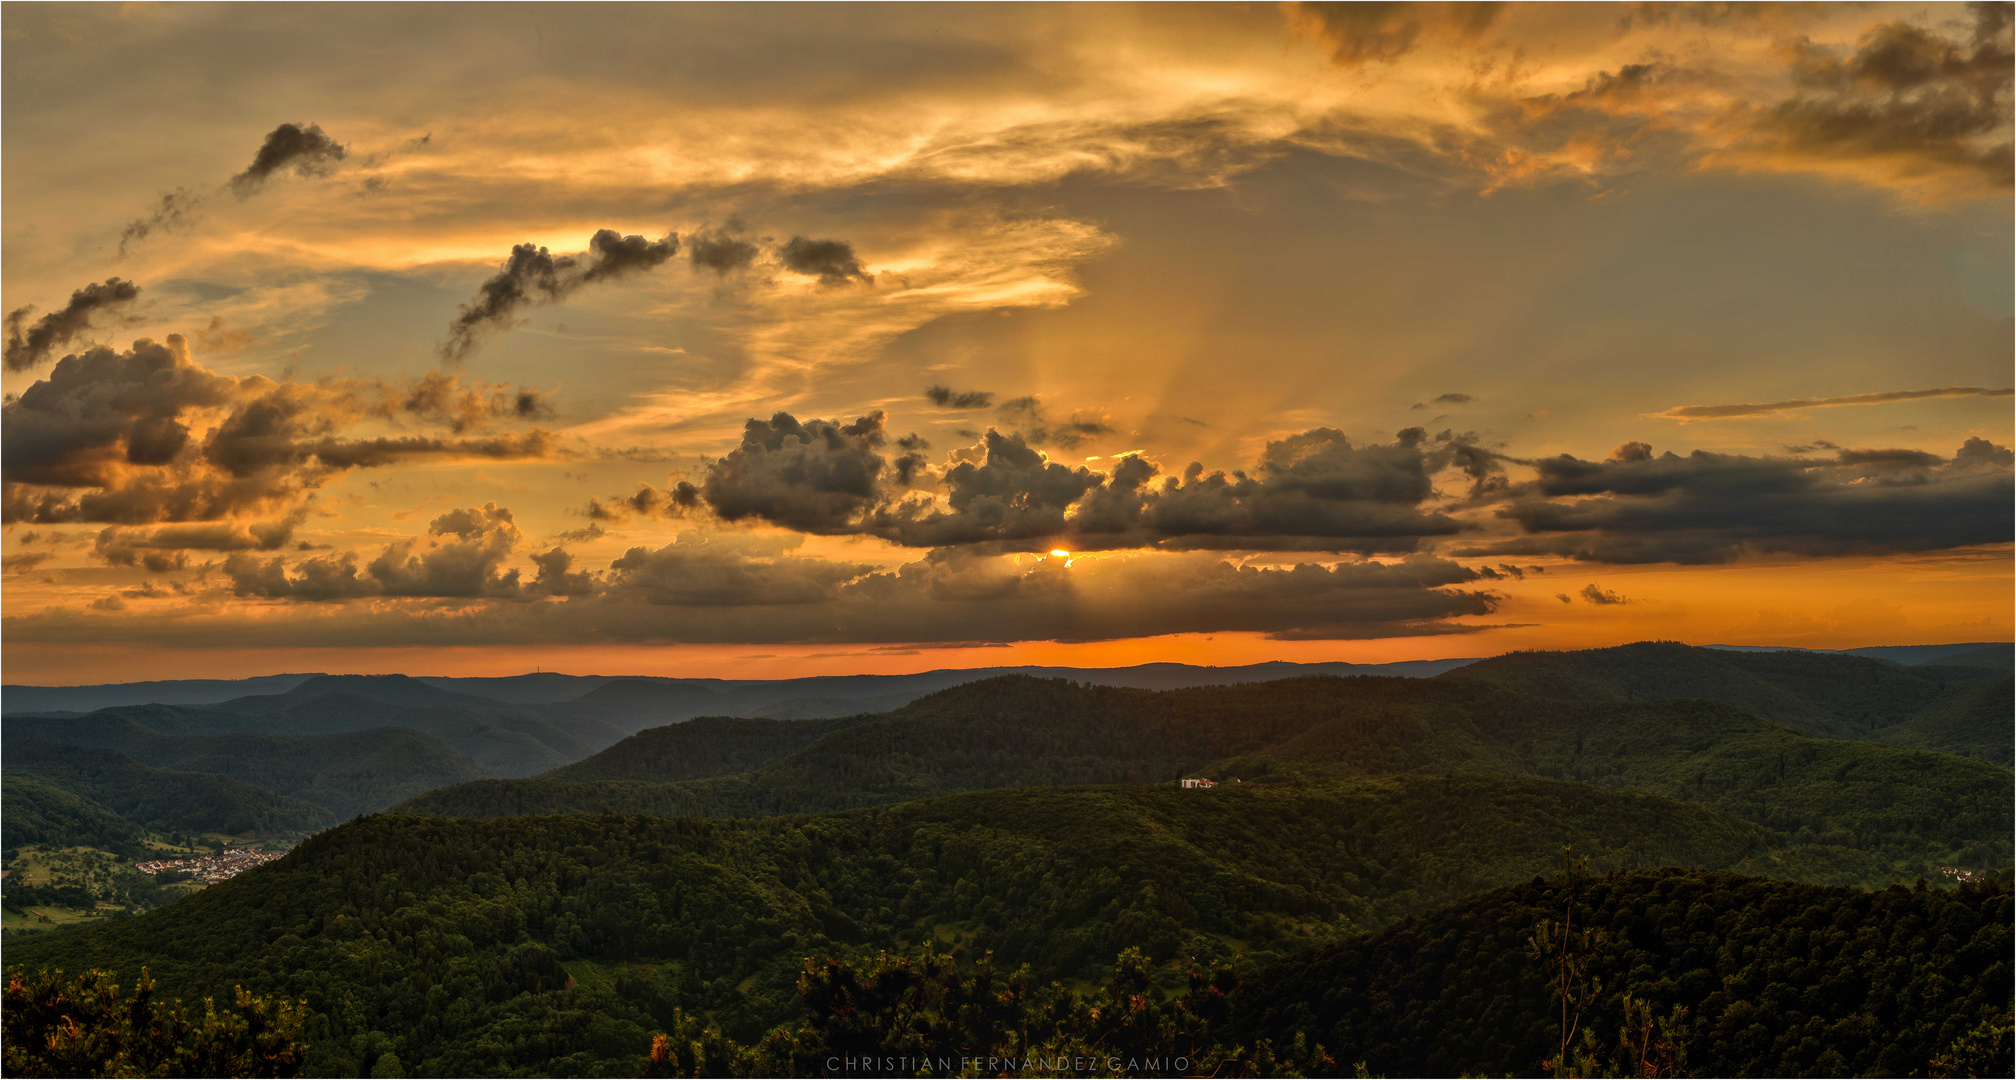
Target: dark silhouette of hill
x=1832 y=696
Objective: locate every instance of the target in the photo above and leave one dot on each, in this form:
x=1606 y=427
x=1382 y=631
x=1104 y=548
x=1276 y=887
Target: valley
x=480 y=914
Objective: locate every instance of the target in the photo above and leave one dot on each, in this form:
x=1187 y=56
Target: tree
x=53 y=1026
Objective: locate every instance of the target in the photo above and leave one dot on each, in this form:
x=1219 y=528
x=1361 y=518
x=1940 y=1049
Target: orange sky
x=1699 y=318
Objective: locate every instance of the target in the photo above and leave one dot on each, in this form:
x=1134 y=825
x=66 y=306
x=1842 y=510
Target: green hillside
x=1777 y=979
x=34 y=811
x=1912 y=808
x=699 y=748
x=344 y=774
x=447 y=937
x=157 y=799
x=1832 y=696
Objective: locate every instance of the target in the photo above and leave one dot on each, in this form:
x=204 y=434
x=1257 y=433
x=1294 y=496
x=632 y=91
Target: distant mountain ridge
x=682 y=697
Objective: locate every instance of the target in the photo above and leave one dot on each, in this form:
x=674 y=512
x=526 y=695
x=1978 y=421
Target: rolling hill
x=1911 y=806
x=382 y=923
x=158 y=800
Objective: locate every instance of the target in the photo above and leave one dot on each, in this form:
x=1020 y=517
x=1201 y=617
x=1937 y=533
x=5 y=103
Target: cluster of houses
x=1958 y=874
x=1200 y=782
x=211 y=869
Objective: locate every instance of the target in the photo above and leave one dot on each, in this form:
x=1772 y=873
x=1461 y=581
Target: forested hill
x=448 y=936
x=1913 y=807
x=147 y=798
x=700 y=748
x=1829 y=695
x=1776 y=979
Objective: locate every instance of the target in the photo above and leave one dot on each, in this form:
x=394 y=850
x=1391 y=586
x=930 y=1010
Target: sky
x=760 y=341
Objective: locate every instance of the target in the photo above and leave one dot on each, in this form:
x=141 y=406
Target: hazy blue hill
x=158 y=799
x=634 y=704
x=700 y=748
x=40 y=812
x=83 y=699
x=449 y=935
x=539 y=688
x=505 y=744
x=1999 y=657
x=387 y=689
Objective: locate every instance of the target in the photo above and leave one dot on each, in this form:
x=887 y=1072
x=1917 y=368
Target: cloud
x=1600 y=597
x=451 y=588
x=1453 y=399
x=1713 y=508
x=1922 y=103
x=947 y=398
x=147 y=436
x=648 y=501
x=1314 y=488
x=27 y=349
x=532 y=275
x=720 y=251
x=1315 y=491
x=699 y=570
x=612 y=255
x=1363 y=33
x=1035 y=426
x=305 y=149
x=1011 y=494
x=461 y=557
x=831 y=261
x=176 y=210
x=1685 y=413
x=816 y=476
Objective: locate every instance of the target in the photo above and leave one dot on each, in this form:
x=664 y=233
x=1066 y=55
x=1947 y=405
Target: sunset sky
x=764 y=341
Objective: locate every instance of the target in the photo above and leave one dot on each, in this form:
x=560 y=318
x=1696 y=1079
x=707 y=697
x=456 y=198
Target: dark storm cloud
x=532 y=275
x=28 y=347
x=1905 y=94
x=1639 y=507
x=1362 y=33
x=720 y=251
x=1723 y=412
x=946 y=398
x=305 y=149
x=831 y=261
